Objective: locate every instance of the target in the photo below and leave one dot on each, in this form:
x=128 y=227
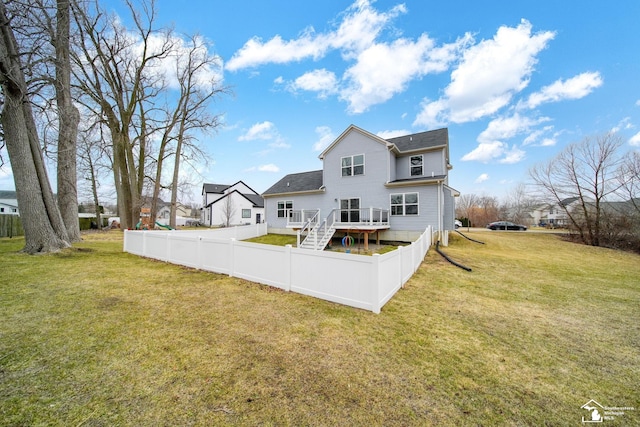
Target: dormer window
x=416 y=166
x=352 y=165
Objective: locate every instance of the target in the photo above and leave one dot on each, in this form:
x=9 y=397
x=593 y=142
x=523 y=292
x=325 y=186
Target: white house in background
x=393 y=187
x=234 y=204
x=554 y=214
x=9 y=203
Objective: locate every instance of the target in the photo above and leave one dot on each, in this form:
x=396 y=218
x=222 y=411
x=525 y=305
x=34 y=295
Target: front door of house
x=258 y=218
x=349 y=210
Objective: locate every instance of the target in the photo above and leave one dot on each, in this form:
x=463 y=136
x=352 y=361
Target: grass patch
x=275 y=239
x=334 y=246
x=95 y=336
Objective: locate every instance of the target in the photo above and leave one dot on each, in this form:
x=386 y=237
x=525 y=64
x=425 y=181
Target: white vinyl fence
x=365 y=282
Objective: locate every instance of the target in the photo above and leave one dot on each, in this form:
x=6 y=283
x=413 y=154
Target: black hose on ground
x=449 y=259
x=469 y=238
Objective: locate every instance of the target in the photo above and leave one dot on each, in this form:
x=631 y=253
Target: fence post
x=375 y=272
x=400 y=256
x=200 y=254
x=232 y=243
x=287 y=268
x=144 y=241
x=168 y=243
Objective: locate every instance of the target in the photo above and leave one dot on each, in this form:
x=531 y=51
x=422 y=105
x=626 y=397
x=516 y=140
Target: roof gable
x=352 y=128
x=255 y=199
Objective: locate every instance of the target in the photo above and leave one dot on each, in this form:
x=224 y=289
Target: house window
x=349 y=210
x=246 y=213
x=404 y=204
x=284 y=207
x=352 y=165
x=1 y=209
x=416 y=166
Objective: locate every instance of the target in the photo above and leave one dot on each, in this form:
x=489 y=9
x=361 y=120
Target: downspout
x=440 y=210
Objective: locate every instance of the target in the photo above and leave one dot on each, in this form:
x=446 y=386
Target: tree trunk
x=42 y=223
x=68 y=120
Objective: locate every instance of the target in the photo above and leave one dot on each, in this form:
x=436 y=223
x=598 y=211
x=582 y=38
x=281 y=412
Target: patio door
x=349 y=210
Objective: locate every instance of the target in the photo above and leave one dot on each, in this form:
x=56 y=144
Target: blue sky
x=514 y=82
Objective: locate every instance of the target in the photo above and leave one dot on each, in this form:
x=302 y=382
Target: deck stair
x=319 y=236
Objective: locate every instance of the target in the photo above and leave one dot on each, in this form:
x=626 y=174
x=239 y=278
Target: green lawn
x=96 y=337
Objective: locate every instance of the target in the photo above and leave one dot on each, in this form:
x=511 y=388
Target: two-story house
x=555 y=214
x=226 y=205
x=393 y=187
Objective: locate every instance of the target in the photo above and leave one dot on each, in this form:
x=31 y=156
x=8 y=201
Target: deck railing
x=341 y=217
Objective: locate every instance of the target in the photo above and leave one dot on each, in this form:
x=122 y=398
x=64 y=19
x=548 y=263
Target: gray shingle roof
x=297 y=182
x=4 y=194
x=215 y=188
x=422 y=140
x=257 y=201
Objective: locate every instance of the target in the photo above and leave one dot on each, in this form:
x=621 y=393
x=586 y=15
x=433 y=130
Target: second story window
x=416 y=166
x=352 y=165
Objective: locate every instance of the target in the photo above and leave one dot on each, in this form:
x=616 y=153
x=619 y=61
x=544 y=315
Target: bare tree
x=228 y=210
x=586 y=172
x=195 y=95
x=115 y=79
x=152 y=115
x=93 y=165
x=518 y=204
x=629 y=179
x=41 y=218
x=465 y=205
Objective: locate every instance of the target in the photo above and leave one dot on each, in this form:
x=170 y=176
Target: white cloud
x=574 y=88
x=548 y=142
x=512 y=156
x=279 y=143
x=325 y=137
x=635 y=140
x=482 y=178
x=360 y=26
x=265 y=131
x=638 y=102
x=485 y=152
x=322 y=81
x=269 y=168
x=379 y=70
x=508 y=127
x=260 y=131
x=491 y=143
x=385 y=69
x=623 y=125
x=490 y=73
x=387 y=134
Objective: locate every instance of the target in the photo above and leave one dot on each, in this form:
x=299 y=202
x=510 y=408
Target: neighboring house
x=226 y=205
x=393 y=187
x=8 y=203
x=554 y=215
x=163 y=214
x=164 y=211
